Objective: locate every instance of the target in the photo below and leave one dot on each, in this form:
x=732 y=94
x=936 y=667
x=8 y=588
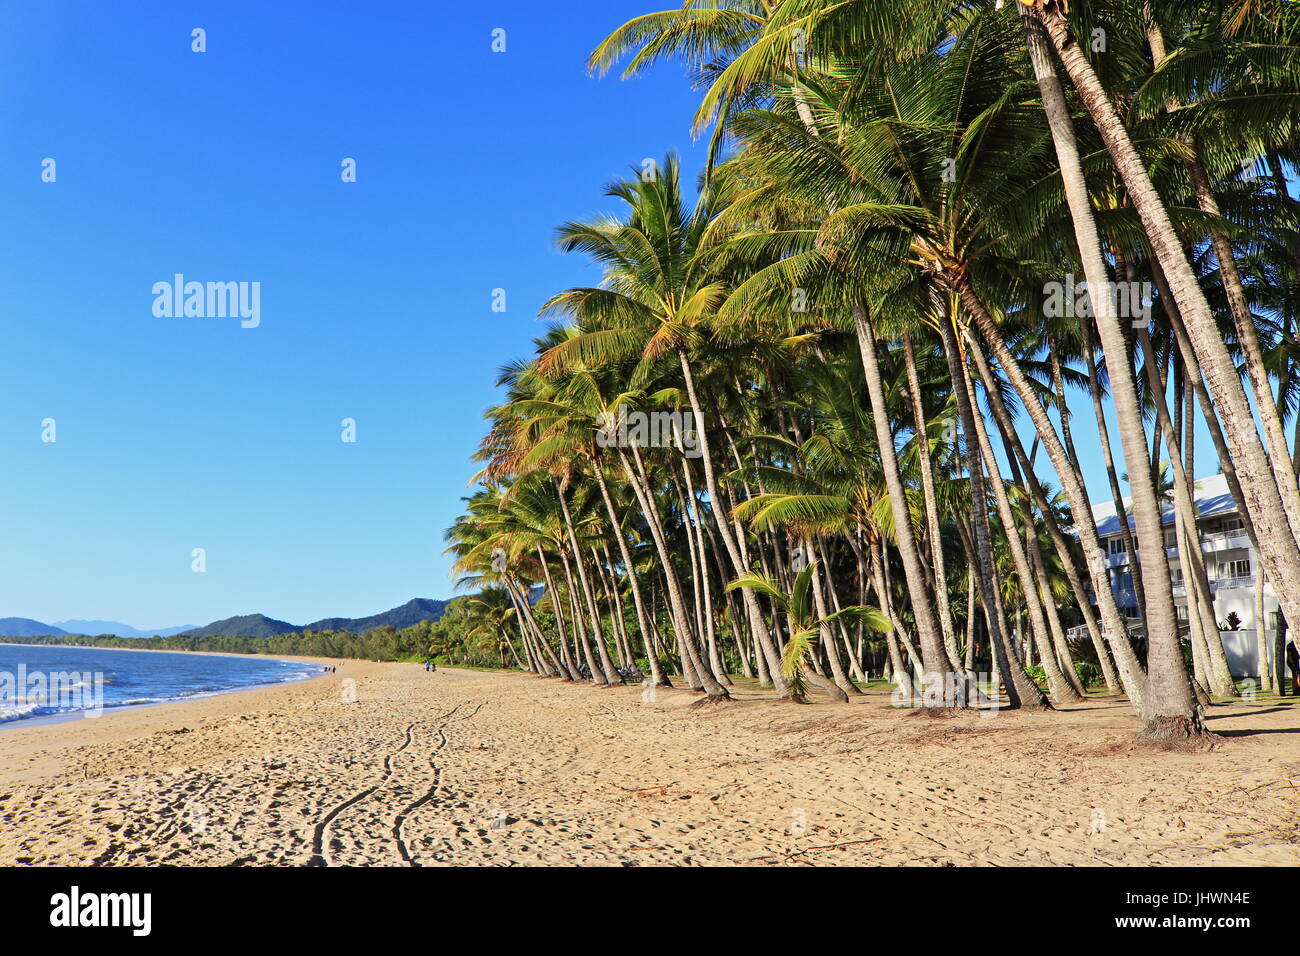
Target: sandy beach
x=473 y=768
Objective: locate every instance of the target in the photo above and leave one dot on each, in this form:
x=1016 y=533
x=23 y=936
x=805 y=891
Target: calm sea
x=38 y=682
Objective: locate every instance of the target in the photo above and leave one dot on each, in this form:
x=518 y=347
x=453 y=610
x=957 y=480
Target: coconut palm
x=807 y=626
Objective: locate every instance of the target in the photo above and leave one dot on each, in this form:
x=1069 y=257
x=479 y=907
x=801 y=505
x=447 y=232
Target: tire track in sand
x=432 y=793
x=319 y=857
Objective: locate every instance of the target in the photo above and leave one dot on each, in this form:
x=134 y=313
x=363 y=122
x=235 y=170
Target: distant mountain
x=26 y=627
x=248 y=625
x=412 y=612
x=118 y=629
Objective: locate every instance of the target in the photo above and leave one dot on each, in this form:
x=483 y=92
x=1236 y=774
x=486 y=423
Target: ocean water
x=47 y=682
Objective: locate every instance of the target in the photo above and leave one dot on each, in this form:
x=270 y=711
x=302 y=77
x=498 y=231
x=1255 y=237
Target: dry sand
x=472 y=768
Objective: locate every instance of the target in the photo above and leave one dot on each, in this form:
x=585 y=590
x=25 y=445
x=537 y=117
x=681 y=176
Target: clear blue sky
x=179 y=433
x=183 y=433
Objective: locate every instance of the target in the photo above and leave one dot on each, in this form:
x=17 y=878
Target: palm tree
x=658 y=290
x=1274 y=509
x=807 y=625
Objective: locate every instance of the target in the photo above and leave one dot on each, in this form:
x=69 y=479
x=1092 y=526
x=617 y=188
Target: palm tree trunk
x=539 y=638
x=875 y=561
x=1016 y=457
x=931 y=502
x=656 y=673
x=605 y=671
x=1112 y=474
x=597 y=675
x=1220 y=681
x=692 y=666
x=1238 y=305
x=855 y=670
x=1273 y=509
x=971 y=621
x=934 y=655
x=824 y=632
x=1261 y=639
x=1170 y=708
x=566 y=664
x=1116 y=629
x=1044 y=587
x=758 y=626
x=1057 y=684
x=609 y=583
x=1021 y=691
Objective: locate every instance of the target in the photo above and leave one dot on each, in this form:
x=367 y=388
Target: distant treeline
x=384 y=643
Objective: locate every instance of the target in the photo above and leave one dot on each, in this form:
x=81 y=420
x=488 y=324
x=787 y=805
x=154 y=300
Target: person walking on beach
x=1293 y=663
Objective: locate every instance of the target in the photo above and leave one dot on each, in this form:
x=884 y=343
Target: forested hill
x=412 y=612
x=259 y=625
x=413 y=631
x=247 y=625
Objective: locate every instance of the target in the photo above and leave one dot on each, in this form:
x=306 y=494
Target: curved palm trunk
x=1062 y=657
x=682 y=632
x=1016 y=452
x=706 y=589
x=758 y=626
x=581 y=649
x=841 y=679
x=931 y=502
x=656 y=674
x=1057 y=684
x=1244 y=322
x=694 y=671
x=1021 y=690
x=1023 y=471
x=896 y=662
x=532 y=653
x=855 y=669
x=691 y=520
x=1116 y=628
x=609 y=583
x=1089 y=244
x=597 y=673
x=1272 y=508
x=934 y=656
x=1220 y=680
x=1112 y=475
x=566 y=665
x=551 y=667
x=606 y=669
x=529 y=657
x=744 y=647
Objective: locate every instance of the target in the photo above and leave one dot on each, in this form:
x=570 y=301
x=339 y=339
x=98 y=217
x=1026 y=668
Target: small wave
x=24 y=712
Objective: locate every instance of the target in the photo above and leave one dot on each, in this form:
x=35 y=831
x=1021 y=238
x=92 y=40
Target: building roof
x=1211 y=497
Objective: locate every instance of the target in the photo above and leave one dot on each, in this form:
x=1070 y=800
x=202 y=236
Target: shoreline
x=110 y=710
x=466 y=767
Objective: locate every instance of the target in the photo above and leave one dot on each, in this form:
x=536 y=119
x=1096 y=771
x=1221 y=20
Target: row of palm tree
x=796 y=434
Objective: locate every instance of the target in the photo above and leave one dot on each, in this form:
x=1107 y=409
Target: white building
x=1230 y=564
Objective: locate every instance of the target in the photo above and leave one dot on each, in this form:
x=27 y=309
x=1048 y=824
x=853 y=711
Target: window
x=1235 y=569
x=1233 y=524
x=1115 y=545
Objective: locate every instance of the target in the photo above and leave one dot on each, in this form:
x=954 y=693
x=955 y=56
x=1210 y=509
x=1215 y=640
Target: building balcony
x=1232 y=584
x=1224 y=541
